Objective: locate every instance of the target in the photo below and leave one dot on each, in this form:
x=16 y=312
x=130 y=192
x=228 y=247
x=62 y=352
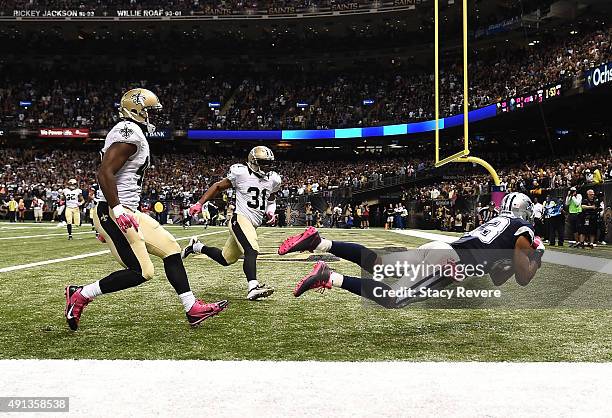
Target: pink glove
x=271 y=218
x=538 y=246
x=124 y=219
x=195 y=209
x=537 y=243
x=101 y=239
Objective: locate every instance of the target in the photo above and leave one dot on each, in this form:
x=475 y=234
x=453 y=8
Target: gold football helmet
x=135 y=105
x=260 y=160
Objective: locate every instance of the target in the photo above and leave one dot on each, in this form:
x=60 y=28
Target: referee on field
x=486 y=214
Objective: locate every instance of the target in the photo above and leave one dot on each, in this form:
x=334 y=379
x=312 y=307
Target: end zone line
x=584 y=262
x=80 y=256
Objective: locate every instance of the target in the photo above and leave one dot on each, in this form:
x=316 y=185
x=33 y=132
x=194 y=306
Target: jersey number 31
x=258 y=198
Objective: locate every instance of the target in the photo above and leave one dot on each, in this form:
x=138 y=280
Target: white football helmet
x=517 y=205
x=72 y=183
x=260 y=160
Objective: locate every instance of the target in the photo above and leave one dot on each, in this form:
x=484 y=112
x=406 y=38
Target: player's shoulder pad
x=275 y=177
x=128 y=132
x=523 y=228
x=236 y=172
x=238 y=169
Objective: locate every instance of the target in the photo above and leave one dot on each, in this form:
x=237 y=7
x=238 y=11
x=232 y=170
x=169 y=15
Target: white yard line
x=6 y=224
x=78 y=257
x=122 y=388
x=46 y=235
x=584 y=262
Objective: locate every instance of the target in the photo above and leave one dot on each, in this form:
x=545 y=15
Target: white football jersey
x=129 y=177
x=252 y=191
x=72 y=197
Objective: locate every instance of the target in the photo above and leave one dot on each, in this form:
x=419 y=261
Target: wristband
x=118 y=211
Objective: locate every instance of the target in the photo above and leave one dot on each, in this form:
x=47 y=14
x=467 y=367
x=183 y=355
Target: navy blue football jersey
x=492 y=243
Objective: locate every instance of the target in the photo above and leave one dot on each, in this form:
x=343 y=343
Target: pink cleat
x=318 y=278
x=201 y=311
x=75 y=303
x=306 y=241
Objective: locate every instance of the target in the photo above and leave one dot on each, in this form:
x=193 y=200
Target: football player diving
x=255 y=186
x=131 y=235
x=506 y=246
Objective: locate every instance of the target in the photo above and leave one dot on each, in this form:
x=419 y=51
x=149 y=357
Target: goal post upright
x=463 y=155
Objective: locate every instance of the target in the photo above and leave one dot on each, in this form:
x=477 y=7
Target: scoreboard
x=526 y=100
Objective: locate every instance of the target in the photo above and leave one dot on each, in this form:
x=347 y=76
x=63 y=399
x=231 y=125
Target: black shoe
x=69 y=237
x=189 y=248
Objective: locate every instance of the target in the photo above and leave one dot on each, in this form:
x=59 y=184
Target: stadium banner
x=525 y=100
x=345 y=6
x=279 y=10
x=497 y=195
x=598 y=76
x=412 y=3
x=160 y=134
x=63 y=133
x=69 y=13
x=345 y=133
x=499 y=27
x=53 y=13
x=148 y=13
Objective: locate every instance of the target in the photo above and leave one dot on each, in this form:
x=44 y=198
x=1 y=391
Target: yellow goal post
x=463 y=155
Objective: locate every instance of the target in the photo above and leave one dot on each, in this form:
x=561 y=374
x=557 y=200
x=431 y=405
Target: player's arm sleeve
x=527 y=232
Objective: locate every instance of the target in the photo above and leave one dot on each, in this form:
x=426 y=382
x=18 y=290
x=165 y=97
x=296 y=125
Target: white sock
x=188 y=299
x=197 y=247
x=92 y=290
x=324 y=245
x=253 y=284
x=336 y=279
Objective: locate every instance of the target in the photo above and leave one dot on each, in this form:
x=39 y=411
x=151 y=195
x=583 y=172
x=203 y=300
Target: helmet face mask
x=136 y=105
x=260 y=160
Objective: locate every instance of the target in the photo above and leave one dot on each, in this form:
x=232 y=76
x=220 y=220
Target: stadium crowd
x=28 y=172
x=306 y=99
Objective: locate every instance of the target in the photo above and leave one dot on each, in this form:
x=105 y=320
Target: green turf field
x=148 y=322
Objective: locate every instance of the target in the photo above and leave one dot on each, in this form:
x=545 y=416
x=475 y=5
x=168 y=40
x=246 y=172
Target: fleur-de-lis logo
x=138 y=98
x=126 y=132
x=104 y=218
